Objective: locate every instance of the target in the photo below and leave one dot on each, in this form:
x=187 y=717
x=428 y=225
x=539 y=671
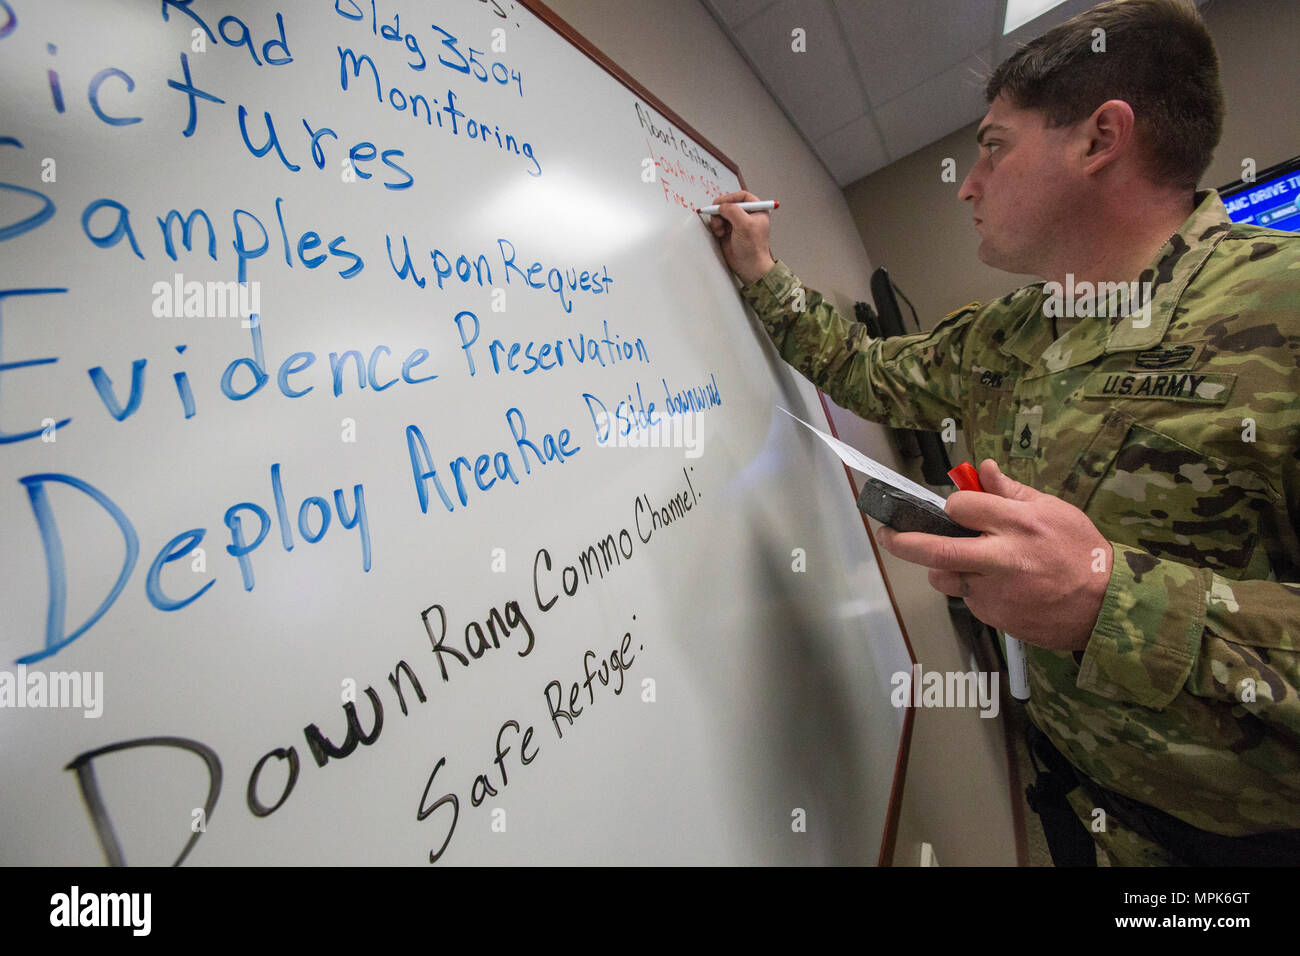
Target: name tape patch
x=987 y=376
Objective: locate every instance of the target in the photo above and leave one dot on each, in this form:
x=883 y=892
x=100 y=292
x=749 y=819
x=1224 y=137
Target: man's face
x=1022 y=192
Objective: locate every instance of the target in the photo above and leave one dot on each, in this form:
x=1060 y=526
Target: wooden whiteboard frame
x=577 y=40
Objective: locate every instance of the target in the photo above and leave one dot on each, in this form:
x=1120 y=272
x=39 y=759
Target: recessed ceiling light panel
x=1020 y=12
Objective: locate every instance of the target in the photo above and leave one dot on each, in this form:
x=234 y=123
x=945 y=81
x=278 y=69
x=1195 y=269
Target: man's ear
x=1109 y=134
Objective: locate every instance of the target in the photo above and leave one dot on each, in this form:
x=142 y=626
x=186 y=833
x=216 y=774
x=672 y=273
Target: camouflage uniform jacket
x=1178 y=434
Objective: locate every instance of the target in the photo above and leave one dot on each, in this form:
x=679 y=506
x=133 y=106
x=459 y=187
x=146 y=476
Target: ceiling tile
x=852 y=151
x=735 y=12
x=920 y=64
x=935 y=108
x=817 y=87
x=901 y=45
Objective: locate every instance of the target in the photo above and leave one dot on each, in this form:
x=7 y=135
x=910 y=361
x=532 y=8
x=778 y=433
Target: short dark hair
x=1158 y=57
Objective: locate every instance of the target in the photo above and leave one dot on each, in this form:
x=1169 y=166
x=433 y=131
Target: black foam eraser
x=904 y=512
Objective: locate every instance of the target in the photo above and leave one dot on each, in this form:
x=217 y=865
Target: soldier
x=1136 y=417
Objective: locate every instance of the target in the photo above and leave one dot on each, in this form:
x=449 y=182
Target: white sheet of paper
x=869 y=466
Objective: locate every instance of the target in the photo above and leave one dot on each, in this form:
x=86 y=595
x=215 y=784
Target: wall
x=956 y=792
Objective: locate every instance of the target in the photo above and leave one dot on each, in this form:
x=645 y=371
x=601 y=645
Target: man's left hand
x=1038 y=571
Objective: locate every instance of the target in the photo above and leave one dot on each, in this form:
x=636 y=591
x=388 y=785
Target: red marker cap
x=965 y=477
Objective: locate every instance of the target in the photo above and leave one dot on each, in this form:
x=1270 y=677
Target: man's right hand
x=743 y=237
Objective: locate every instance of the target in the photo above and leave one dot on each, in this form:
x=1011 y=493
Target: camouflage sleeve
x=908 y=381
x=1166 y=627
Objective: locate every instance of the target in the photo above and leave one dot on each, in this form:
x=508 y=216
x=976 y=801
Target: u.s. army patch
x=1204 y=389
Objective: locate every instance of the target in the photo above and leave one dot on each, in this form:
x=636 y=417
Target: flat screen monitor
x=1272 y=199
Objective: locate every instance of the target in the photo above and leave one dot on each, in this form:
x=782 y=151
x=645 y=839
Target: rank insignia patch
x=1024 y=437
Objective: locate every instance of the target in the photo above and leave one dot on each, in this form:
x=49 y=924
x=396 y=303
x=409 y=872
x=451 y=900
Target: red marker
x=965 y=477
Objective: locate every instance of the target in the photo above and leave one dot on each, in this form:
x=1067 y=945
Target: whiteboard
x=385 y=481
